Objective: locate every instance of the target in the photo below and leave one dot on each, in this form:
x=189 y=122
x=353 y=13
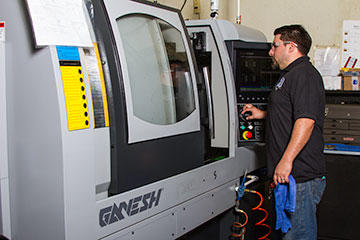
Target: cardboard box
x=351 y=80
x=351 y=83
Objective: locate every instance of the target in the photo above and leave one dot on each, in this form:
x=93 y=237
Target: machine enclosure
x=62 y=184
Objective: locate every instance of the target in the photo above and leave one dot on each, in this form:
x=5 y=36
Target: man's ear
x=292 y=48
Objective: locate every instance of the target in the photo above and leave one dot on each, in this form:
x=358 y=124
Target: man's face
x=279 y=52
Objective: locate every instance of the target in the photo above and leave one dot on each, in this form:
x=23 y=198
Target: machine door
x=212 y=93
x=154 y=109
x=157 y=69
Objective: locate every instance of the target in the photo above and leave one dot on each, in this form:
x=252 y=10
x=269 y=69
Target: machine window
x=158 y=69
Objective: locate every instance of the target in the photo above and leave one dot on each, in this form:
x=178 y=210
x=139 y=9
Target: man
x=294 y=127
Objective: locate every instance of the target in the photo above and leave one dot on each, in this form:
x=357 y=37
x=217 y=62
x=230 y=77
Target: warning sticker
x=75 y=97
x=74 y=88
x=2 y=31
x=97 y=85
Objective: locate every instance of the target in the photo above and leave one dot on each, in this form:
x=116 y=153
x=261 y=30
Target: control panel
x=251 y=130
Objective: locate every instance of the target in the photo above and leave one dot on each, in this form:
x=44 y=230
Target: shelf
x=345 y=92
x=341 y=152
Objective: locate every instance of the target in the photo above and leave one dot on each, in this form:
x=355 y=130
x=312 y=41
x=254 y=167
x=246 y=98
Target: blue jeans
x=303 y=220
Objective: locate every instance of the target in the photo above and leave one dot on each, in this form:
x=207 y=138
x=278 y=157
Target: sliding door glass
x=158 y=69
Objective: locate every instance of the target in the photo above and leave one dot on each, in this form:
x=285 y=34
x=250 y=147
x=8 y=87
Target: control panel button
x=247 y=135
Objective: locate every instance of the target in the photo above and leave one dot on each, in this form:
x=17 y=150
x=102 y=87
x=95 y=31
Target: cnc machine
x=114 y=140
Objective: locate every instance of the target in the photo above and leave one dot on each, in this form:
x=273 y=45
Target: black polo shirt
x=299 y=93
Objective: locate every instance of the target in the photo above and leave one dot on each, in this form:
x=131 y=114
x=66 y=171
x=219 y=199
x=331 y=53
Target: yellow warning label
x=75 y=97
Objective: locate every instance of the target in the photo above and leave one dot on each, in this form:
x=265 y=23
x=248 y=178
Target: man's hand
x=282 y=171
x=255 y=112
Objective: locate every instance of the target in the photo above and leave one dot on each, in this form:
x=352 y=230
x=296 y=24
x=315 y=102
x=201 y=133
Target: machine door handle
x=209 y=100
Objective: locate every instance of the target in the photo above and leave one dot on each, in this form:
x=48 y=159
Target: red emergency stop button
x=247 y=135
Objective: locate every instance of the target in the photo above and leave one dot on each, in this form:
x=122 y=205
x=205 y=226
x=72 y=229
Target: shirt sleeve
x=305 y=96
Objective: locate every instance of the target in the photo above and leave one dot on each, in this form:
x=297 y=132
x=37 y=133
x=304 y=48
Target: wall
x=188 y=12
x=322 y=18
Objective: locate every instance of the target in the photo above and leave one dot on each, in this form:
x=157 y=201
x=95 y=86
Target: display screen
x=254 y=70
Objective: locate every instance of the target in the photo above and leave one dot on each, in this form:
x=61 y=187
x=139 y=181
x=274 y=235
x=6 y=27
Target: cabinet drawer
x=336 y=124
x=340 y=132
x=350 y=139
x=354 y=125
x=342 y=111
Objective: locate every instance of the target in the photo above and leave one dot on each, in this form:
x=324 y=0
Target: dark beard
x=274 y=64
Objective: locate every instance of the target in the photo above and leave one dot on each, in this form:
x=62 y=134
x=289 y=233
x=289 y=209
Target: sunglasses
x=277 y=44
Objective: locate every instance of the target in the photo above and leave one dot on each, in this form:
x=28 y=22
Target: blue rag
x=285 y=202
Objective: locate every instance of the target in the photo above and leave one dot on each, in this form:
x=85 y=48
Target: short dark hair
x=297 y=34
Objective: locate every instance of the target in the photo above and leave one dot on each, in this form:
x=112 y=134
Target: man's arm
x=301 y=133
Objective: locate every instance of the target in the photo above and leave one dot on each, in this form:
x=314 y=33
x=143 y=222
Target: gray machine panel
x=226 y=31
x=51 y=169
x=4 y=176
x=34 y=129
